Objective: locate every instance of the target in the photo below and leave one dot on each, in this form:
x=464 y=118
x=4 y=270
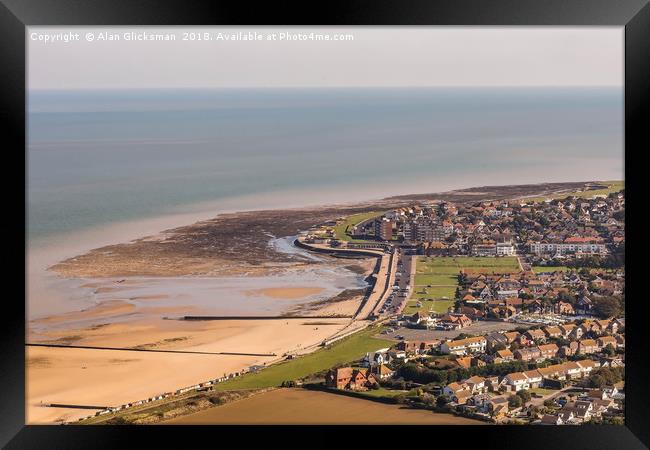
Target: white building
x=567 y=248
x=464 y=346
x=506 y=249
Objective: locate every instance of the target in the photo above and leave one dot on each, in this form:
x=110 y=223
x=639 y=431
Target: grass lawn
x=447 y=264
x=342 y=227
x=612 y=186
x=539 y=269
x=422 y=292
x=542 y=391
x=382 y=392
x=439 y=306
x=437 y=277
x=343 y=351
x=436 y=280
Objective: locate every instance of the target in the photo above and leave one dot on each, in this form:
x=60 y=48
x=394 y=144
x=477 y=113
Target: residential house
x=528 y=354
x=418 y=347
x=349 y=378
x=498 y=407
x=567 y=329
x=534 y=378
x=496 y=339
x=548 y=350
x=549 y=419
x=516 y=381
x=568 y=350
x=382 y=372
x=552 y=332
x=564 y=308
x=603 y=341
x=464 y=346
x=587 y=366
x=588 y=346
x=535 y=335
x=454 y=388
x=476 y=384
x=503 y=356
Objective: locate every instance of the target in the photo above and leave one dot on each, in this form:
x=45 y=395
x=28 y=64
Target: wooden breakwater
x=337 y=316
x=152 y=350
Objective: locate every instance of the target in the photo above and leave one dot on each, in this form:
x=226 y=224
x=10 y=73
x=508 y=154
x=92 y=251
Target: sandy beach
x=107 y=377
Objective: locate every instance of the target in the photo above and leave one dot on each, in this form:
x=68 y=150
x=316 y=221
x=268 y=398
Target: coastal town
x=501 y=312
x=559 y=356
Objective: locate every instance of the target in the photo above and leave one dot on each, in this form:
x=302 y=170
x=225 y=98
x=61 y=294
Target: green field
x=436 y=280
x=438 y=306
x=340 y=230
x=437 y=277
x=539 y=269
x=434 y=292
x=346 y=350
x=612 y=186
x=382 y=392
x=444 y=270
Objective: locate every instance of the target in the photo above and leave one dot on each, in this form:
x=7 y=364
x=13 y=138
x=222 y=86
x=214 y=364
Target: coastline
x=96 y=374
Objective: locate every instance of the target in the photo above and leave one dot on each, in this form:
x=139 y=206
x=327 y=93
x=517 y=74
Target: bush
x=400 y=399
x=524 y=395
x=515 y=401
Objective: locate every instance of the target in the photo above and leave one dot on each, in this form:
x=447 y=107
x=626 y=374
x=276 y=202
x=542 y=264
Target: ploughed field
x=301 y=406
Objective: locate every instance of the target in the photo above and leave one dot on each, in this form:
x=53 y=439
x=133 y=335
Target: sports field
x=436 y=279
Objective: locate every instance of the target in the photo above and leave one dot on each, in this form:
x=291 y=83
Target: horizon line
x=189 y=88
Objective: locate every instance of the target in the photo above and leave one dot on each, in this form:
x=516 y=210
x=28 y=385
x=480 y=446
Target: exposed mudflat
x=238 y=243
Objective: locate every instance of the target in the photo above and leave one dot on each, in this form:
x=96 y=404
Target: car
x=400 y=337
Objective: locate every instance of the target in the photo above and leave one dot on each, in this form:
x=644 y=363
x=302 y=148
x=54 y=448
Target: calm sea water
x=100 y=157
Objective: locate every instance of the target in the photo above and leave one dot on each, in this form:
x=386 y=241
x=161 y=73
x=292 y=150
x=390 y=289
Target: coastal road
x=388 y=284
x=379 y=289
x=407 y=279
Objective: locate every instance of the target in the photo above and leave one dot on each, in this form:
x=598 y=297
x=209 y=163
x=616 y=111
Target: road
x=388 y=283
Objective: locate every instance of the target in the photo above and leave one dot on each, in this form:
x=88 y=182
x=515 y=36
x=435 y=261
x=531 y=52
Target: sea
x=105 y=159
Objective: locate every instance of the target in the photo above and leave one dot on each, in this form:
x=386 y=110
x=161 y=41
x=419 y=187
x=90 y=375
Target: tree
x=607 y=306
x=525 y=395
x=514 y=401
x=429 y=400
x=497 y=347
x=609 y=350
x=442 y=401
x=549 y=403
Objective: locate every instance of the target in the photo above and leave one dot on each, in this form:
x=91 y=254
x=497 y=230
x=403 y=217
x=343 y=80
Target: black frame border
x=16 y=15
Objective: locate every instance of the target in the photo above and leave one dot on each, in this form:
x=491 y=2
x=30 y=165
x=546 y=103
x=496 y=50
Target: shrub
x=515 y=401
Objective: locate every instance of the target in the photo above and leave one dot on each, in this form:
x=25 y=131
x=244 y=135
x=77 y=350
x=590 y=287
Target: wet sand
x=303 y=407
x=286 y=292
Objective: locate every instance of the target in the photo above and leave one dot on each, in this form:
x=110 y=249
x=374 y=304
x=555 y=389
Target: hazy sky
x=377 y=56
